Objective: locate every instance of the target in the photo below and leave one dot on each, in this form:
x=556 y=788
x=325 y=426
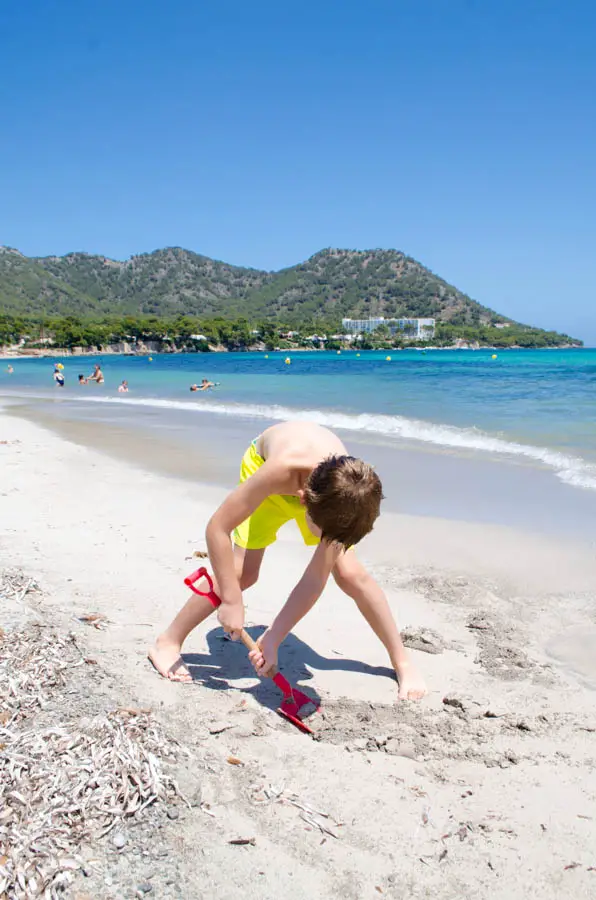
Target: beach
x=484 y=789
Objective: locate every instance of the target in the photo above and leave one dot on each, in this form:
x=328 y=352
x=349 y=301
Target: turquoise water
x=536 y=406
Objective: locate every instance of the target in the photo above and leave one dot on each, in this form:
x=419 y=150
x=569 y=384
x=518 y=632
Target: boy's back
x=297 y=448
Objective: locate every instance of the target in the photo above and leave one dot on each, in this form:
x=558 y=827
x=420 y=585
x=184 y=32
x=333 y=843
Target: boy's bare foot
x=411 y=683
x=165 y=658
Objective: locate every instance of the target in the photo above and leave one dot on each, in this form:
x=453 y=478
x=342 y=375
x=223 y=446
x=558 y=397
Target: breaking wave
x=570 y=469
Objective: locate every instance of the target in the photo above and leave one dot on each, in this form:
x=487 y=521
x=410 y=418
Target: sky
x=462 y=132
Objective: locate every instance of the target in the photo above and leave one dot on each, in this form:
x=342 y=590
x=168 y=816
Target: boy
x=300 y=471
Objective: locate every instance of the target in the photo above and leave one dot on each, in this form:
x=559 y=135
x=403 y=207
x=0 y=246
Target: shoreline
x=115 y=350
x=503 y=743
x=461 y=484
x=451 y=542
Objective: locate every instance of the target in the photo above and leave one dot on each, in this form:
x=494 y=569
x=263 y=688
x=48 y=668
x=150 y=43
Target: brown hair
x=343 y=498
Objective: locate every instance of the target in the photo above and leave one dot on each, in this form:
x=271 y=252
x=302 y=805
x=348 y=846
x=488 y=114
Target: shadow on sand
x=227 y=661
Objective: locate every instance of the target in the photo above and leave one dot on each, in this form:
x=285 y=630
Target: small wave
x=570 y=469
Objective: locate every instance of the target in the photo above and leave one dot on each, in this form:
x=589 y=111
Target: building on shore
x=415 y=329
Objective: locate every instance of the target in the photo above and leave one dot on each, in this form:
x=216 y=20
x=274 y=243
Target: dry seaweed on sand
x=97 y=620
x=315 y=817
x=15 y=585
x=65 y=781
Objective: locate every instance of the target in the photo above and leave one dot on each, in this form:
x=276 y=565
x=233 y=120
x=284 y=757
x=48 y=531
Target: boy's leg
x=353 y=579
x=165 y=653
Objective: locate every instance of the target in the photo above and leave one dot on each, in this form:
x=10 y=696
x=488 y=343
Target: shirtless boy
x=300 y=471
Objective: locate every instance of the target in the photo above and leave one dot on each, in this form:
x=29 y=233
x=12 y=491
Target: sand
x=484 y=789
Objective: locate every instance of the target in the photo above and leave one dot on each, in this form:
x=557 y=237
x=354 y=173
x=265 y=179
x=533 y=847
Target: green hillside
x=170 y=294
x=170 y=282
x=337 y=283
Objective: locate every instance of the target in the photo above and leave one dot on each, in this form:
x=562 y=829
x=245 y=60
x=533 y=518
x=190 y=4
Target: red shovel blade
x=294 y=700
x=294 y=720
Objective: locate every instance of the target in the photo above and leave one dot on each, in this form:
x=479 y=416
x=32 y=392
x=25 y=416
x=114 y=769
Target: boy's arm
x=307 y=591
x=301 y=600
x=271 y=478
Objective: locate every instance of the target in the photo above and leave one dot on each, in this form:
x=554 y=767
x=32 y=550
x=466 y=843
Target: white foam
x=571 y=469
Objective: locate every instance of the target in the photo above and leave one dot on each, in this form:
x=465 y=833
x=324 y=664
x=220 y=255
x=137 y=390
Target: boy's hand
x=265 y=658
x=231 y=618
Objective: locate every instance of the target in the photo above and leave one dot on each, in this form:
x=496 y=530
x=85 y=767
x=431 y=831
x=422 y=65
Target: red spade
x=294 y=699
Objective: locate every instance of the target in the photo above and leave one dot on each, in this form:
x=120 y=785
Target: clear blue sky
x=460 y=131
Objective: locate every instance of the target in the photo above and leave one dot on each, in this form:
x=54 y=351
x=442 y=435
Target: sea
x=480 y=434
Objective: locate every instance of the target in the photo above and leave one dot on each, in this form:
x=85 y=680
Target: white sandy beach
x=428 y=799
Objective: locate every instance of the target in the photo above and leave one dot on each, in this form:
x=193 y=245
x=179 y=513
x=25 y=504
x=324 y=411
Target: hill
x=173 y=281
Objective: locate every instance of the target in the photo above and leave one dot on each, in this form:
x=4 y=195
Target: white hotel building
x=417 y=329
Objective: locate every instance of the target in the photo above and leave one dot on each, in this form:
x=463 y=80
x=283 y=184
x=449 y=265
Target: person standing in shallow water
x=58 y=376
x=97 y=375
x=300 y=471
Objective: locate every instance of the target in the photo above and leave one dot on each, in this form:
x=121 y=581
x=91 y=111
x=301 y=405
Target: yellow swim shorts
x=260 y=529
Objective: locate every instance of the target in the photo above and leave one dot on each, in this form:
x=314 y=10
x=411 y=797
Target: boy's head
x=343 y=498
